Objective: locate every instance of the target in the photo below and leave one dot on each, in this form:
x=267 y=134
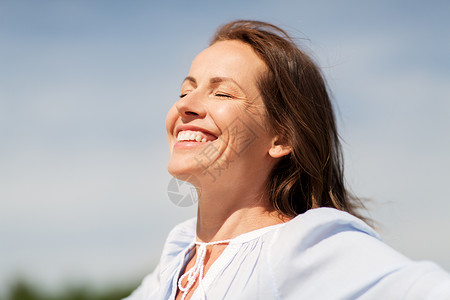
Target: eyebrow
x=222 y=79
x=215 y=80
x=191 y=79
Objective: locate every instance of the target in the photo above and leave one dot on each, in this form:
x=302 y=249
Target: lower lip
x=189 y=145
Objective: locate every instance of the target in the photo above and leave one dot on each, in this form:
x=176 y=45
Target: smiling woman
x=221 y=90
x=254 y=132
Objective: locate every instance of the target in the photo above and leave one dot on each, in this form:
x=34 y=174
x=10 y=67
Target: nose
x=191 y=107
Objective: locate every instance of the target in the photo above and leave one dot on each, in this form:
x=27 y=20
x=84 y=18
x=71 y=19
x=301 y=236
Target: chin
x=184 y=170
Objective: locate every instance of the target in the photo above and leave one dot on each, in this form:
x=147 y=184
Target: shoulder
x=178 y=239
x=330 y=249
x=336 y=232
x=315 y=226
x=334 y=255
x=320 y=223
x=322 y=229
x=183 y=232
x=313 y=229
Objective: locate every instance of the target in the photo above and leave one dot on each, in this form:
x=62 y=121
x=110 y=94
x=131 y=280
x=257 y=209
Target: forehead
x=233 y=59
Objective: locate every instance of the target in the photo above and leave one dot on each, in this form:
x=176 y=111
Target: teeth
x=190 y=136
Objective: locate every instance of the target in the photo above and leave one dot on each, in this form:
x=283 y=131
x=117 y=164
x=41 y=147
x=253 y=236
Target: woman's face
x=217 y=129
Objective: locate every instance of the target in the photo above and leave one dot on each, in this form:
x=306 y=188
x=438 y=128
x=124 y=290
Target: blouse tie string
x=197 y=269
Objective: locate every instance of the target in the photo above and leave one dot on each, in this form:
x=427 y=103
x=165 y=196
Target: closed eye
x=184 y=94
x=223 y=95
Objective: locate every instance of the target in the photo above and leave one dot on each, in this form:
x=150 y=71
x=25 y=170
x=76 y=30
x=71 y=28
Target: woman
x=254 y=131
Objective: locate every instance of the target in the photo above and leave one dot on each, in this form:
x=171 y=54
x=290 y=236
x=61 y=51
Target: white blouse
x=321 y=254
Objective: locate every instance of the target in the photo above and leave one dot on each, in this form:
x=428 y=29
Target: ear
x=279 y=149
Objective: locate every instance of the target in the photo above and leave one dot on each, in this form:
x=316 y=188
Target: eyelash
x=221 y=95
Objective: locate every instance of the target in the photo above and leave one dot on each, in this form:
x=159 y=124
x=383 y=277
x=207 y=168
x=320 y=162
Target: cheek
x=243 y=130
x=225 y=113
x=251 y=132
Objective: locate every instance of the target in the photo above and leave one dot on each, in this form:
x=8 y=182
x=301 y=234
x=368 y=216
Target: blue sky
x=85 y=87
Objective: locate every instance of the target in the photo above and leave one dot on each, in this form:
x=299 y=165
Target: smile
x=193 y=136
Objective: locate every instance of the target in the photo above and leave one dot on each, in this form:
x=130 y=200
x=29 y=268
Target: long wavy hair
x=299 y=110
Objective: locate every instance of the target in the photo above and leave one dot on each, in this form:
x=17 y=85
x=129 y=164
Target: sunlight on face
x=217 y=128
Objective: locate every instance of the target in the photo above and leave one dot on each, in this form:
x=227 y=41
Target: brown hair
x=299 y=110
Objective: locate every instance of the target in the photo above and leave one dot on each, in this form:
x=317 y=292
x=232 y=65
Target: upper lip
x=184 y=127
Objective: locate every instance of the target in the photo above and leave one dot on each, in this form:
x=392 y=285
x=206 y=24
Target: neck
x=227 y=213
